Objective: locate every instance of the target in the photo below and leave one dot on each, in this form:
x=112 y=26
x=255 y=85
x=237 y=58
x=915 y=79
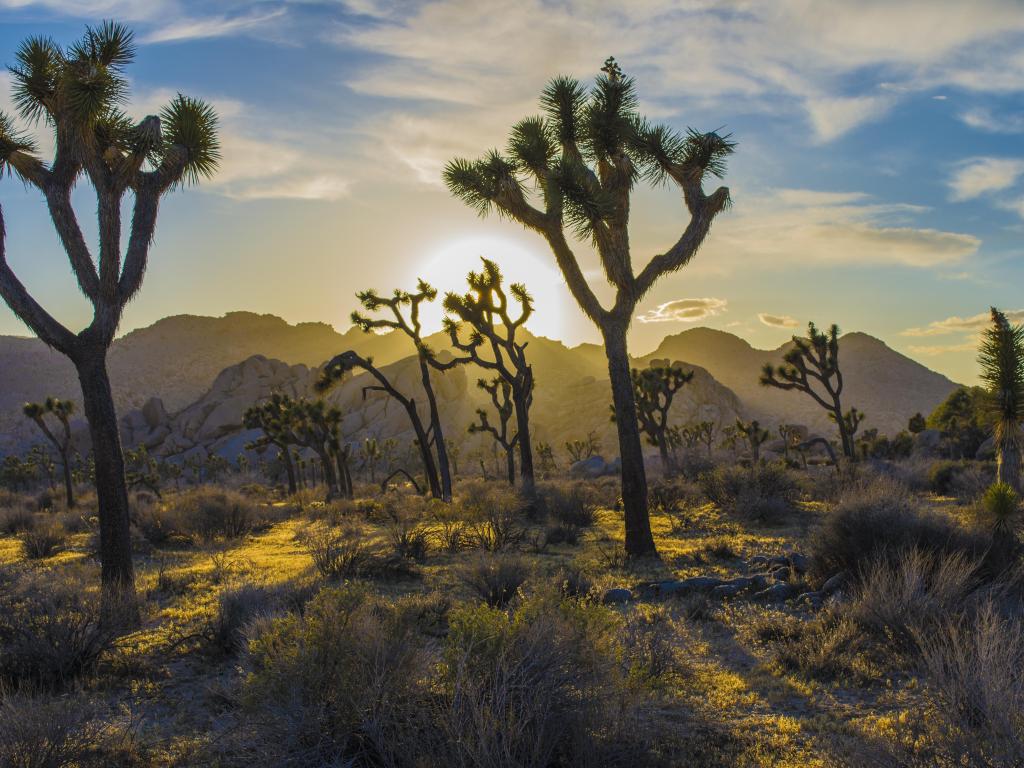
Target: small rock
x=758 y=561
x=776 y=593
x=812 y=599
x=778 y=560
x=800 y=563
x=723 y=591
x=616 y=596
x=780 y=573
x=658 y=589
x=834 y=584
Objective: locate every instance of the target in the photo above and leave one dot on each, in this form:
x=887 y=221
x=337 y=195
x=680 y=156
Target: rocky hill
x=204 y=370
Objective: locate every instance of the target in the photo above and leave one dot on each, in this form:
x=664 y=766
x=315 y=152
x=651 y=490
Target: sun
x=447 y=267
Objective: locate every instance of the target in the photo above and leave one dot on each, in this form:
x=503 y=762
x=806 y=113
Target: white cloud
x=809 y=228
x=957 y=324
x=986 y=120
x=980 y=175
x=778 y=321
x=684 y=310
x=942 y=349
x=210 y=26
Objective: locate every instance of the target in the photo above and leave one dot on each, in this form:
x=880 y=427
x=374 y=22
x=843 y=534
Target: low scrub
x=764 y=492
x=43 y=541
x=495 y=579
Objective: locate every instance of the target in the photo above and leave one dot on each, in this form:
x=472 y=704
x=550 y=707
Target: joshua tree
x=486 y=310
x=580 y=450
x=316 y=426
x=1001 y=357
x=547 y=458
x=143 y=470
x=654 y=389
x=791 y=437
x=916 y=424
x=371 y=454
x=77 y=92
x=756 y=437
x=584 y=156
x=501 y=396
x=341 y=364
x=61 y=410
x=812 y=365
x=274 y=417
x=410 y=326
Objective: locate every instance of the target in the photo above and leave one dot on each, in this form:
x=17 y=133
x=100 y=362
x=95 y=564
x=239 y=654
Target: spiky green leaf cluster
x=1001 y=357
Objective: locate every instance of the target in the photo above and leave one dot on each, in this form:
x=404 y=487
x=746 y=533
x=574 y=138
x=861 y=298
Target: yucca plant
x=1001 y=504
x=77 y=93
x=1001 y=356
x=62 y=411
x=571 y=172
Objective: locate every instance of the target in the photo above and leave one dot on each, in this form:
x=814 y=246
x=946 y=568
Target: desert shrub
x=899 y=598
x=764 y=492
x=344 y=554
x=974 y=672
x=828 y=648
x=574 y=503
x=39 y=731
x=45 y=500
x=43 y=541
x=495 y=579
x=650 y=635
x=50 y=630
x=337 y=685
x=208 y=513
x=9 y=499
x=19 y=519
x=673 y=498
x=966 y=480
x=451 y=533
x=562 y=533
x=409 y=536
x=239 y=606
x=884 y=521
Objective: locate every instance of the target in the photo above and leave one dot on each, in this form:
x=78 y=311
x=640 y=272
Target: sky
x=878 y=181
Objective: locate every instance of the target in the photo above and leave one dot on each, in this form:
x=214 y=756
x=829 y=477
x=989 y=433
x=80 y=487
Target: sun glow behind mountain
x=447 y=267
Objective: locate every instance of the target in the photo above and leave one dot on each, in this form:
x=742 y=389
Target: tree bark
x=639 y=540
x=117 y=572
x=435 y=425
x=510 y=455
x=522 y=404
x=666 y=460
x=289 y=468
x=330 y=478
x=69 y=485
x=1008 y=456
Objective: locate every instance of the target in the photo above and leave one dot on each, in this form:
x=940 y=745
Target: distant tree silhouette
x=755 y=436
x=341 y=364
x=78 y=93
x=371 y=454
x=402 y=313
x=654 y=388
x=584 y=156
x=501 y=397
x=492 y=345
x=316 y=425
x=1001 y=356
x=274 y=417
x=61 y=410
x=812 y=367
x=916 y=424
x=965 y=420
x=580 y=450
x=546 y=455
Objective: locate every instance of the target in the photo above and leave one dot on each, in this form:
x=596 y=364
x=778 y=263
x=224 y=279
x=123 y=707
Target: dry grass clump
x=50 y=628
x=765 y=492
x=203 y=514
x=345 y=553
x=43 y=541
x=495 y=579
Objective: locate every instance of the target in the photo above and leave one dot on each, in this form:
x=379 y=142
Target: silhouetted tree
x=371 y=455
x=1001 y=356
x=916 y=424
x=579 y=450
x=964 y=419
x=341 y=364
x=501 y=397
x=409 y=324
x=60 y=410
x=755 y=437
x=654 y=389
x=78 y=92
x=492 y=345
x=274 y=417
x=812 y=365
x=584 y=156
x=546 y=455
x=316 y=425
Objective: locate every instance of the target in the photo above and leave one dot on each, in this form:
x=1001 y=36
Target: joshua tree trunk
x=1008 y=456
x=666 y=460
x=344 y=476
x=435 y=427
x=116 y=570
x=510 y=455
x=289 y=468
x=69 y=485
x=522 y=404
x=639 y=540
x=330 y=479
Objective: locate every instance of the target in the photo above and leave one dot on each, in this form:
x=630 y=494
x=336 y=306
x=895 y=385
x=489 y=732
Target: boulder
x=678 y=587
x=927 y=444
x=776 y=593
x=834 y=584
x=800 y=563
x=589 y=468
x=616 y=596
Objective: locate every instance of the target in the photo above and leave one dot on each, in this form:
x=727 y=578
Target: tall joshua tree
x=61 y=410
x=812 y=367
x=486 y=310
x=584 y=156
x=1001 y=357
x=654 y=389
x=501 y=397
x=274 y=417
x=77 y=93
x=408 y=322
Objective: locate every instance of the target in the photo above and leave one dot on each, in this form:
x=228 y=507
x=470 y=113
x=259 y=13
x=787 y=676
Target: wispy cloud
x=980 y=175
x=210 y=26
x=933 y=350
x=984 y=119
x=957 y=324
x=778 y=321
x=684 y=310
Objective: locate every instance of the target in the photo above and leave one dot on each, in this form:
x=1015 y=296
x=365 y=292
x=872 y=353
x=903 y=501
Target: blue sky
x=878 y=182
